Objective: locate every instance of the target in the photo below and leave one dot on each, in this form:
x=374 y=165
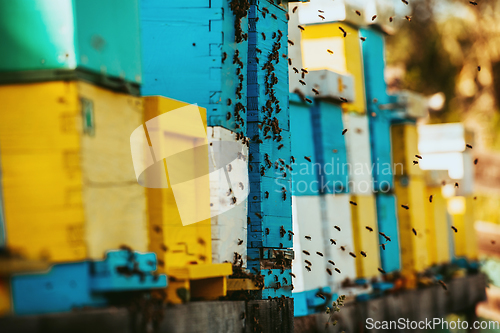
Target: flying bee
x=362 y=38
x=234 y=200
x=294 y=9
x=306 y=252
x=344 y=131
x=266 y=194
x=292 y=159
x=414 y=231
x=408 y=18
x=163 y=247
x=468 y=146
x=267 y=231
x=322 y=17
x=381 y=270
x=456 y=185
x=363 y=254
x=353 y=203
x=292 y=275
x=454 y=229
x=287 y=16
x=319 y=254
x=308 y=100
x=343 y=99
x=331 y=262
x=418 y=156
x=308 y=262
x=390 y=19
x=315 y=91
x=473 y=3
x=157 y=228
x=308 y=268
x=383 y=246
x=329 y=271
x=415 y=162
x=275 y=277
x=274 y=16
x=330 y=51
x=342 y=248
x=405 y=207
x=405 y=2
x=337 y=270
x=358 y=13
x=307 y=237
x=321 y=11
x=289 y=61
x=343 y=31
x=280 y=146
x=475 y=161
x=478 y=68
x=228 y=116
x=290 y=42
x=224 y=57
x=443 y=284
x=337 y=227
x=302 y=82
x=475 y=198
x=308 y=158
x=263 y=36
x=296 y=70
x=430 y=198
x=369 y=228
x=301 y=27
x=320 y=296
x=240 y=241
x=352 y=254
x=333 y=242
x=291 y=232
x=374 y=17
x=258 y=215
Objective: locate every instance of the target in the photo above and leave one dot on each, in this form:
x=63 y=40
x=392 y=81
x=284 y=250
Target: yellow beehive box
x=438 y=246
x=410 y=193
x=347 y=57
x=69 y=186
x=5 y=304
x=461 y=210
x=184 y=250
x=364 y=215
x=404 y=148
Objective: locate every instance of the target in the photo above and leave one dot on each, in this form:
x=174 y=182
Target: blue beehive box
x=388 y=224
x=50 y=39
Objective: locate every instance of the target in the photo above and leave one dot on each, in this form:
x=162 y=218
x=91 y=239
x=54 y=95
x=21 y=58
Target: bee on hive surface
x=369 y=228
x=475 y=161
x=415 y=162
x=405 y=2
x=408 y=18
x=478 y=68
x=343 y=99
x=224 y=56
x=430 y=198
x=240 y=241
x=302 y=82
x=296 y=70
x=363 y=254
x=343 y=31
x=289 y=61
x=258 y=215
x=342 y=248
x=405 y=207
x=267 y=231
x=292 y=275
x=456 y=185
x=390 y=19
x=473 y=3
x=308 y=158
x=308 y=100
x=414 y=231
x=454 y=229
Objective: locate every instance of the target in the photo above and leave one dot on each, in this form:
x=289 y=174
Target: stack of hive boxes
x=70 y=79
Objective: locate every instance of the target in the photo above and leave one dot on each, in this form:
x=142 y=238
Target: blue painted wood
x=190 y=54
x=307 y=302
x=380 y=120
x=277 y=283
x=388 y=224
x=268 y=129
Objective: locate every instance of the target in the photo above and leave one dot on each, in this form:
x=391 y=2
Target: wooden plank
x=274 y=315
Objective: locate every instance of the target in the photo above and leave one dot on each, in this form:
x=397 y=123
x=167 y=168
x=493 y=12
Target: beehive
x=461 y=210
x=437 y=229
x=387 y=222
x=404 y=149
x=81 y=198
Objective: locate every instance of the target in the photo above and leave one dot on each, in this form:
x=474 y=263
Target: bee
x=292 y=275
x=475 y=161
x=390 y=19
x=319 y=254
x=301 y=27
x=274 y=16
x=308 y=262
x=352 y=254
x=369 y=228
x=292 y=159
x=337 y=270
x=321 y=11
x=224 y=57
x=291 y=232
x=161 y=263
x=290 y=42
x=280 y=146
x=285 y=280
x=287 y=16
x=308 y=158
x=306 y=252
x=330 y=51
x=405 y=2
x=418 y=156
x=454 y=229
x=468 y=146
x=229 y=192
x=267 y=231
x=344 y=131
x=415 y=162
x=456 y=185
x=473 y=3
x=234 y=200
x=475 y=198
x=302 y=82
x=315 y=91
x=478 y=68
x=414 y=231
x=383 y=246
x=258 y=215
x=307 y=237
x=294 y=9
x=308 y=100
x=263 y=36
x=322 y=17
x=381 y=270
x=164 y=248
x=296 y=70
x=493 y=242
x=241 y=185
x=343 y=31
x=343 y=99
x=362 y=38
x=408 y=18
x=405 y=207
x=443 y=284
x=228 y=116
x=289 y=61
x=331 y=262
x=353 y=203
x=358 y=12
x=337 y=227
x=430 y=198
x=374 y=17
x=333 y=242
x=275 y=277
x=363 y=254
x=157 y=228
x=320 y=296
x=342 y=248
x=240 y=241
x=266 y=194
x=329 y=271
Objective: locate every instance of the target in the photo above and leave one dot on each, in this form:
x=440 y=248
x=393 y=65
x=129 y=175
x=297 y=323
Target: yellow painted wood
x=364 y=214
x=404 y=148
x=208 y=289
x=347 y=57
x=5 y=303
x=201 y=271
x=114 y=203
x=42 y=178
x=410 y=192
x=437 y=229
x=465 y=238
x=241 y=284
